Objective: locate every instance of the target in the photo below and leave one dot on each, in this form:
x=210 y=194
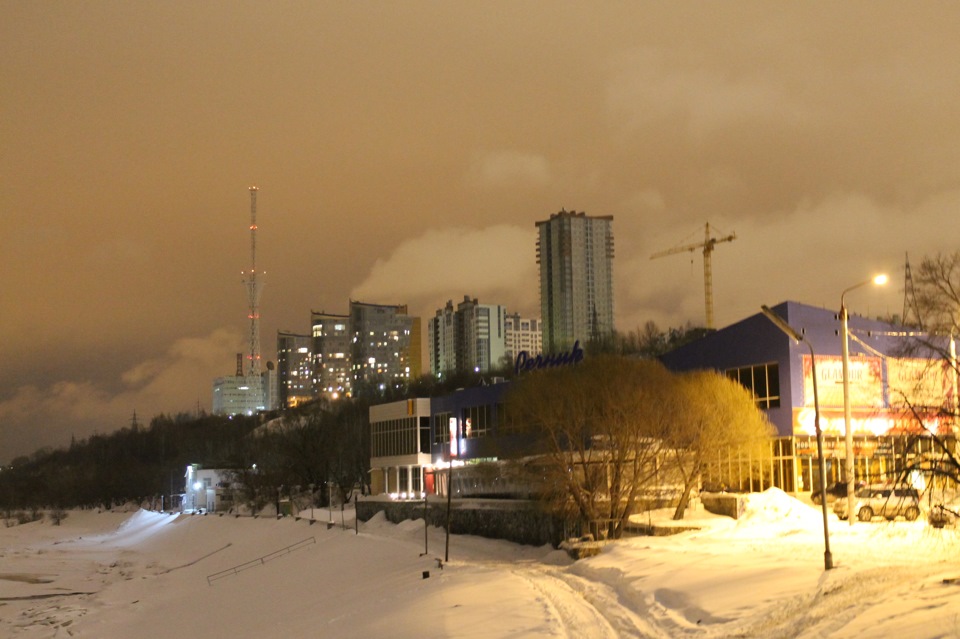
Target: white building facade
x=245 y=394
x=207 y=490
x=523 y=334
x=400 y=447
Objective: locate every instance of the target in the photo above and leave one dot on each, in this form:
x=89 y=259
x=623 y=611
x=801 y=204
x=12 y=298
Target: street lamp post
x=797 y=337
x=330 y=503
x=848 y=429
x=311 y=504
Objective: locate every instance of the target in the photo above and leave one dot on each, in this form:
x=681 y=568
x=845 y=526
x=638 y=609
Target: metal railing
x=260 y=560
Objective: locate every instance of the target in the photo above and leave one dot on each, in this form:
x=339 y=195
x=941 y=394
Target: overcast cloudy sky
x=403 y=152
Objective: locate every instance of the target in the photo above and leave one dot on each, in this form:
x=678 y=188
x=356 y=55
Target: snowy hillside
x=145 y=575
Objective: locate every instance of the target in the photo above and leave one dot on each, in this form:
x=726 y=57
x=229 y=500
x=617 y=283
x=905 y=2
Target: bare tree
x=929 y=408
x=937 y=293
x=601 y=426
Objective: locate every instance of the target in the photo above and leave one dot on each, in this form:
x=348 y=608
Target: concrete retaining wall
x=729 y=504
x=520 y=521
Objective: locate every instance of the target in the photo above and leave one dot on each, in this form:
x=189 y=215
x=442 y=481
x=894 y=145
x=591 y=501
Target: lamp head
x=879 y=280
x=780 y=323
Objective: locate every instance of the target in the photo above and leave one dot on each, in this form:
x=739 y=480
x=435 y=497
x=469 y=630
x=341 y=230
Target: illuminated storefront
x=413 y=441
x=895 y=395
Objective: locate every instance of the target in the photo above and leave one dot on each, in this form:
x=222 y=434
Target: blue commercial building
x=898 y=396
x=887 y=375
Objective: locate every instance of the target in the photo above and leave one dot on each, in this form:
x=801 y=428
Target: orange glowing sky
x=403 y=152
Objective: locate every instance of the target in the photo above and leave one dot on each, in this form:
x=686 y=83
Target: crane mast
x=708 y=244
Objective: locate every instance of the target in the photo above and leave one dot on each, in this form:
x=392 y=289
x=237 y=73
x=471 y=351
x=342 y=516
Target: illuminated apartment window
x=763 y=380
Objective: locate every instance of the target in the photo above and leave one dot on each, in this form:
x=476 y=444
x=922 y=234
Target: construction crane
x=707 y=245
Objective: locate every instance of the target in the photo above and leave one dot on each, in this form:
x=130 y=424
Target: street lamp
x=879 y=280
x=797 y=337
x=330 y=503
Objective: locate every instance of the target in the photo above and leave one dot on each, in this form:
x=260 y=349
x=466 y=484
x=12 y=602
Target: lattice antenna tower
x=254 y=288
x=911 y=312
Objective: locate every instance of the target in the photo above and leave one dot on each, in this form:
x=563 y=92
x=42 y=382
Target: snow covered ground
x=145 y=575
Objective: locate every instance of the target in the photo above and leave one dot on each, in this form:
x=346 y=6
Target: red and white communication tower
x=254 y=287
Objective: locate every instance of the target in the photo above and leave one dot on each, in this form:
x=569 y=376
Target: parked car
x=835 y=491
x=885 y=502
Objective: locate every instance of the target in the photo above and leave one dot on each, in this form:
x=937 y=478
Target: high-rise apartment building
x=294 y=368
x=575 y=254
x=442 y=341
x=522 y=335
x=385 y=350
x=471 y=337
x=332 y=344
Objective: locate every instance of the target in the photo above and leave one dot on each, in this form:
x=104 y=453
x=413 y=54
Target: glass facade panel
x=763 y=380
x=394 y=437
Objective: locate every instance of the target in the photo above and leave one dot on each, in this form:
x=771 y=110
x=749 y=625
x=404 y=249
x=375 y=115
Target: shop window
x=441 y=428
x=763 y=380
x=415 y=485
x=476 y=421
x=425 y=435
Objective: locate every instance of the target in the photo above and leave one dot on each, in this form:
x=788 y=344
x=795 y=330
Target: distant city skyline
x=403 y=154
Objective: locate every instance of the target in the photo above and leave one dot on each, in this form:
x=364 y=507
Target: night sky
x=404 y=151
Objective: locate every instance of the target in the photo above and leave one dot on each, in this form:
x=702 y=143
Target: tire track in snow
x=577 y=618
x=585 y=609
